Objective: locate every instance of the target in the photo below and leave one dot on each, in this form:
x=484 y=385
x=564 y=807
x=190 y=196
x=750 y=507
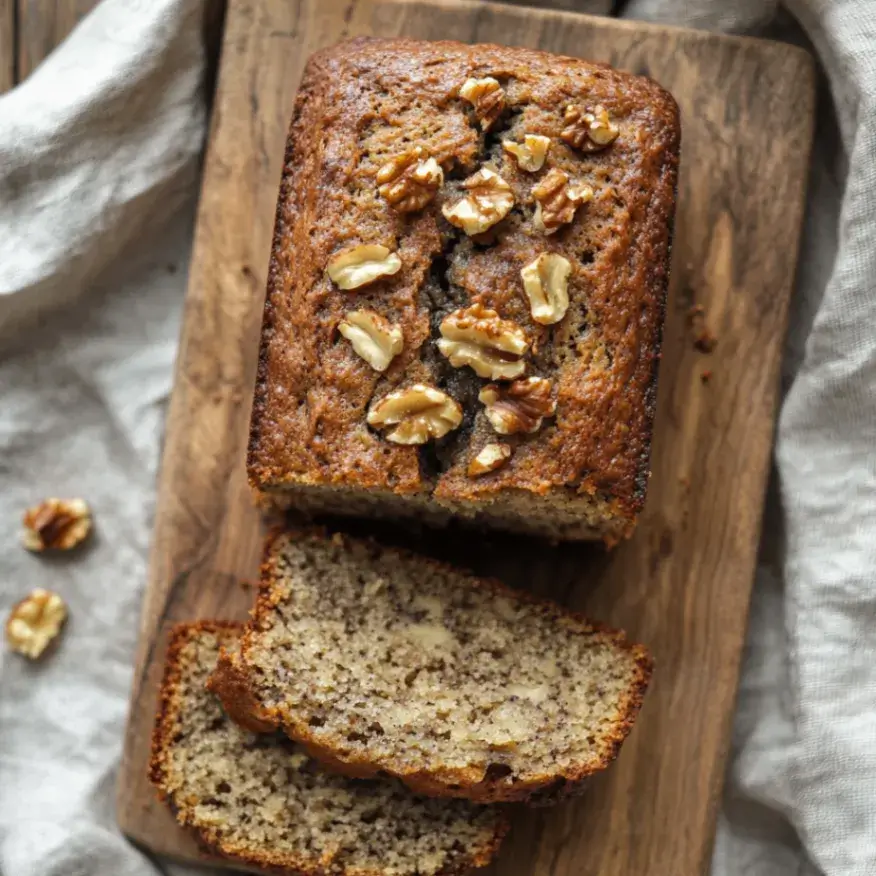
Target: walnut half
x=410 y=180
x=519 y=406
x=359 y=265
x=588 y=129
x=487 y=98
x=56 y=524
x=557 y=201
x=489 y=200
x=418 y=413
x=546 y=283
x=374 y=338
x=34 y=622
x=478 y=337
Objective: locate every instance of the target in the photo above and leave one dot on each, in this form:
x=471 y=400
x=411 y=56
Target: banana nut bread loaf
x=466 y=289
x=380 y=660
x=262 y=802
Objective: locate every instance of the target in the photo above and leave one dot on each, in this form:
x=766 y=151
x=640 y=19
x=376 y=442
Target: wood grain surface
x=42 y=24
x=682 y=584
x=7 y=45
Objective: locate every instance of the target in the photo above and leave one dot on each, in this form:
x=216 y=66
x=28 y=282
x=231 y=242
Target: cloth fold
x=98 y=178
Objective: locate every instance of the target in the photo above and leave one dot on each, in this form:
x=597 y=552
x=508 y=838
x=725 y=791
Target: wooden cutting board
x=682 y=584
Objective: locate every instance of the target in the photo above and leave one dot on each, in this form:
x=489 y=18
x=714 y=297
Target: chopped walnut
x=34 y=622
x=491 y=457
x=363 y=264
x=531 y=153
x=557 y=201
x=588 y=129
x=374 y=338
x=418 y=413
x=519 y=406
x=488 y=201
x=478 y=337
x=487 y=98
x=546 y=283
x=56 y=524
x=409 y=181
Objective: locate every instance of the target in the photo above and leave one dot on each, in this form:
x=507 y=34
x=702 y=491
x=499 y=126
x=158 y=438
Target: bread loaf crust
x=231 y=685
x=308 y=431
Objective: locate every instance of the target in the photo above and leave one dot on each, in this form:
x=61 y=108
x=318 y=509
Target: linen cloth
x=99 y=155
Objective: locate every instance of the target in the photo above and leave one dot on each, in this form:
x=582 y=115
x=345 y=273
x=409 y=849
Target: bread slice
x=261 y=801
x=381 y=660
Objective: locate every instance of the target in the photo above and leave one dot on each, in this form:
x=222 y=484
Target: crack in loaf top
x=365 y=102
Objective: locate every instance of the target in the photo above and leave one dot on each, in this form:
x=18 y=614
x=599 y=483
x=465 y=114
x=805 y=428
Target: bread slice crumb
x=261 y=801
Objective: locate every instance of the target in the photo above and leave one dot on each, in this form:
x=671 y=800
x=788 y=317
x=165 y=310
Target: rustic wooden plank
x=591 y=7
x=682 y=584
x=42 y=24
x=7 y=45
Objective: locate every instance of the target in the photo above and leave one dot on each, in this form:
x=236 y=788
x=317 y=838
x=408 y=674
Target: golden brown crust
x=312 y=393
x=469 y=783
x=268 y=860
x=229 y=684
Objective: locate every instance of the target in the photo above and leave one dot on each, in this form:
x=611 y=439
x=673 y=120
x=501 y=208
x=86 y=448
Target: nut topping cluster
x=546 y=281
x=374 y=338
x=410 y=180
x=492 y=347
x=519 y=406
x=474 y=336
x=487 y=98
x=531 y=153
x=588 y=130
x=417 y=412
x=35 y=622
x=56 y=524
x=557 y=201
x=489 y=200
x=363 y=264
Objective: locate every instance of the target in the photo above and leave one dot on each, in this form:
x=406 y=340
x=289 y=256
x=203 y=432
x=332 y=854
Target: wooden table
x=30 y=29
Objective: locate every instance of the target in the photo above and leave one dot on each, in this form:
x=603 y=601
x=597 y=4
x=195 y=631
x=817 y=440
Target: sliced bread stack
x=262 y=802
x=384 y=668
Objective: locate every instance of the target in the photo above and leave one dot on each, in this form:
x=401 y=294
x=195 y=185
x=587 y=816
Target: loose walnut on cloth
x=112 y=124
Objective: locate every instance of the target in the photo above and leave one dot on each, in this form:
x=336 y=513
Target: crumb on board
x=706 y=375
x=705 y=339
